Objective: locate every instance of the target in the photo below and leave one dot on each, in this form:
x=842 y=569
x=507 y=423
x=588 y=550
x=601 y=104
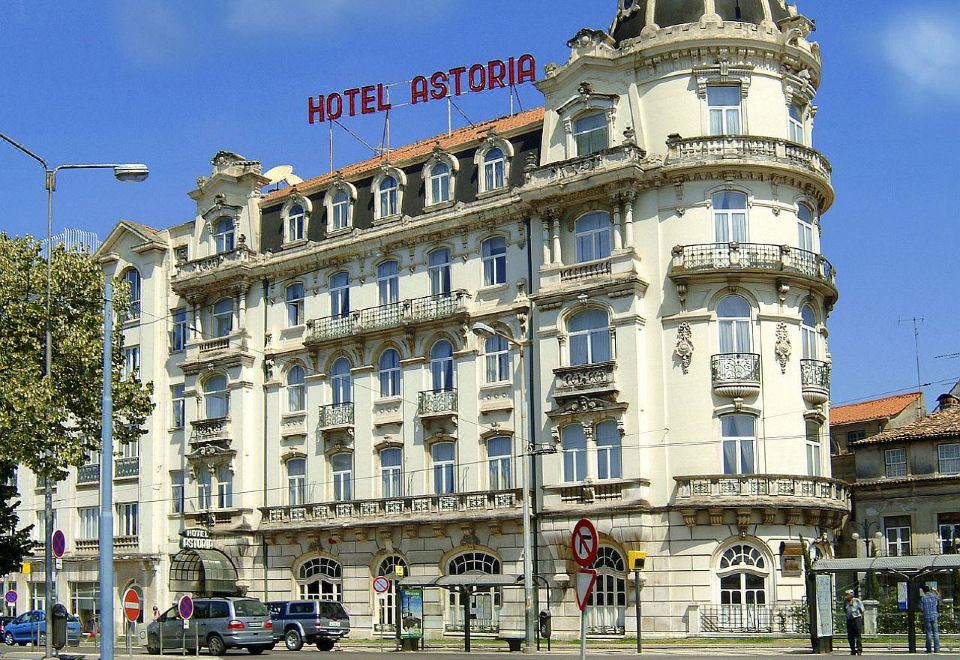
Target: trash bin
x=59 y=626
x=545 y=624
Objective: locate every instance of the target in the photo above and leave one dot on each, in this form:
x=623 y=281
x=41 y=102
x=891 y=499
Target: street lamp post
x=133 y=172
x=484 y=330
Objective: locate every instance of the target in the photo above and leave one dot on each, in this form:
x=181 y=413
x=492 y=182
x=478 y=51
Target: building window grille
x=743 y=576
x=739 y=440
x=294 y=298
x=320 y=579
x=592 y=233
x=391 y=472
x=340 y=294
x=494 y=169
x=444 y=468
x=499 y=461
x=297 y=481
x=724 y=103
x=223 y=235
x=895 y=462
x=497 y=358
x=897 y=531
x=389 y=373
x=494 y=255
x=342 y=466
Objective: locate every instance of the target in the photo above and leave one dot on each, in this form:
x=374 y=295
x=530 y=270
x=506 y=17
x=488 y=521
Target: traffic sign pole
x=585 y=544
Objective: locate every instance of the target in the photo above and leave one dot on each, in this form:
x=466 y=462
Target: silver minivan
x=218 y=624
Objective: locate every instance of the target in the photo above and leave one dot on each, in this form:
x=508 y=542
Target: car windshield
x=250 y=608
x=332 y=611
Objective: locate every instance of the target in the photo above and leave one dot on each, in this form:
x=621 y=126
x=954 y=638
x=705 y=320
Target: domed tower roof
x=632 y=14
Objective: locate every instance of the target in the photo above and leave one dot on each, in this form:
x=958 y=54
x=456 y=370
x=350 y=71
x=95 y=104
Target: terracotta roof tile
x=405 y=154
x=873 y=409
x=941 y=424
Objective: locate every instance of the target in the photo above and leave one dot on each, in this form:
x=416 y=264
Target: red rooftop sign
x=442 y=84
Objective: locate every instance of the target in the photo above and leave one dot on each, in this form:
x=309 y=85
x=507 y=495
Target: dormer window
x=223 y=235
x=439 y=183
x=494 y=164
x=295 y=224
x=591 y=133
x=340 y=211
x=723 y=106
x=339 y=201
x=388 y=197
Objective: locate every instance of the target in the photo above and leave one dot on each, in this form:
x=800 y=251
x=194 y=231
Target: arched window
x=389 y=367
x=132 y=277
x=494 y=169
x=340 y=211
x=809 y=338
x=294 y=296
x=216 y=399
x=388 y=282
x=805 y=227
x=574 y=445
x=494 y=256
x=296 y=389
x=342 y=467
x=608 y=603
x=444 y=456
x=388 y=196
x=730 y=216
x=386 y=605
x=320 y=579
x=441 y=366
x=439 y=183
x=341 y=382
x=297 y=481
x=589 y=336
x=500 y=462
x=296 y=221
x=391 y=472
x=340 y=294
x=593 y=236
x=497 y=355
x=743 y=590
x=439 y=270
x=609 y=451
x=223 y=235
x=733 y=314
x=591 y=133
x=739 y=439
x=484 y=605
x=223 y=317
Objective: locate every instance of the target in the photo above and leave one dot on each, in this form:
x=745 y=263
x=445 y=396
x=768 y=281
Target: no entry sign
x=585 y=543
x=58 y=543
x=131 y=605
x=381 y=584
x=185 y=607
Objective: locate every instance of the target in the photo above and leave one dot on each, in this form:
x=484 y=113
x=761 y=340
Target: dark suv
x=309 y=621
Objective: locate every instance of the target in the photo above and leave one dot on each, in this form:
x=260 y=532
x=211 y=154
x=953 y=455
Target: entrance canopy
x=907 y=567
x=468 y=582
x=203 y=572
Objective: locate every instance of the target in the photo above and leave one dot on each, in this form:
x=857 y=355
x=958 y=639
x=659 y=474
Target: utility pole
x=917 y=322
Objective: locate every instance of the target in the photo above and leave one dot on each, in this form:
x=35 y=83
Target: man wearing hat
x=853 y=607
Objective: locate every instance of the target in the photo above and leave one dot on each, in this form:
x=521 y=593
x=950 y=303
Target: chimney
x=947 y=401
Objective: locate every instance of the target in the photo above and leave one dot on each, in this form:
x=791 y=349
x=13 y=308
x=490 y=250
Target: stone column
x=617 y=226
x=195 y=329
x=555 y=234
x=242 y=307
x=547 y=259
x=628 y=198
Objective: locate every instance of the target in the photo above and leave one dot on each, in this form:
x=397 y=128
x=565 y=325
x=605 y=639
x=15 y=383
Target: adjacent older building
x=650 y=241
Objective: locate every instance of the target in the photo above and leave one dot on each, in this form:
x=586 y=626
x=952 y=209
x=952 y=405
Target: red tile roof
x=874 y=409
x=403 y=155
x=941 y=424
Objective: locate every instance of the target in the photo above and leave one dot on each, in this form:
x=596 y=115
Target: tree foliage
x=15 y=543
x=48 y=425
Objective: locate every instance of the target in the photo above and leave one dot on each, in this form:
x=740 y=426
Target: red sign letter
x=526 y=69
x=478 y=78
x=382 y=103
x=368 y=100
x=418 y=90
x=496 y=71
x=438 y=82
x=457 y=81
x=351 y=95
x=315 y=109
x=334 y=106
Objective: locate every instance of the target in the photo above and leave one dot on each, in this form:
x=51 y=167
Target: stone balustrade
x=750 y=148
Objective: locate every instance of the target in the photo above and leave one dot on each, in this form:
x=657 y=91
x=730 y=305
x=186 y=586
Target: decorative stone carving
x=684 y=348
x=783 y=347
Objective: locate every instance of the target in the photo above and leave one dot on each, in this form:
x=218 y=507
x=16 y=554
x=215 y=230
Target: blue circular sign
x=10 y=596
x=185 y=607
x=58 y=543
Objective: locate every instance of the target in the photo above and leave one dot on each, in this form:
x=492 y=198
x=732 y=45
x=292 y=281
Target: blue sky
x=170 y=83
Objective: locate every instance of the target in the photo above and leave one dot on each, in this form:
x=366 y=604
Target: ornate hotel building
x=650 y=237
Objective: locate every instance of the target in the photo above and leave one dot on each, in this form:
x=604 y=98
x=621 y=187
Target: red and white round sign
x=585 y=543
x=131 y=605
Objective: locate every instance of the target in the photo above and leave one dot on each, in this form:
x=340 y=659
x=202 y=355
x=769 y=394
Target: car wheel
x=255 y=650
x=216 y=645
x=325 y=644
x=293 y=640
x=153 y=646
x=8 y=639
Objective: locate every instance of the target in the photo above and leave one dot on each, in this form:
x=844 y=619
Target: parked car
x=309 y=621
x=30 y=627
x=218 y=624
x=4 y=620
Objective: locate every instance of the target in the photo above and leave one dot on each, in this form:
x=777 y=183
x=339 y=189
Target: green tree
x=48 y=425
x=14 y=543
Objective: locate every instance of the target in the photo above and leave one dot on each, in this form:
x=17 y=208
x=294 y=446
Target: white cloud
x=924 y=50
x=150 y=32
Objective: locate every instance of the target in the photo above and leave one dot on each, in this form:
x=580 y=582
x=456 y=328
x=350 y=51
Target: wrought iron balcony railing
x=735 y=375
x=714 y=257
x=126 y=467
x=815 y=380
x=437 y=402
x=337 y=415
x=88 y=474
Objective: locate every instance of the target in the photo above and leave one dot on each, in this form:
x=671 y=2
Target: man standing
x=930 y=607
x=853 y=608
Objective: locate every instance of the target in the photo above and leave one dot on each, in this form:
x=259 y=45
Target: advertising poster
x=411 y=613
x=824 y=586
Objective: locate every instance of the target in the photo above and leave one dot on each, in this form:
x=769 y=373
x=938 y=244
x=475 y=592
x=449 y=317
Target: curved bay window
x=386 y=605
x=743 y=574
x=320 y=578
x=589 y=337
x=608 y=603
x=592 y=233
x=484 y=605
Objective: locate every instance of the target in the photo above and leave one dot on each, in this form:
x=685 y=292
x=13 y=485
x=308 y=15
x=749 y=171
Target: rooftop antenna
x=917 y=322
x=330 y=123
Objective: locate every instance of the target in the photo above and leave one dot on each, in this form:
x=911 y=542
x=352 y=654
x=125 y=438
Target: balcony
x=338 y=416
x=437 y=404
x=239 y=255
x=400 y=314
x=586 y=270
x=88 y=474
x=585 y=379
x=210 y=431
x=127 y=467
x=232 y=348
x=762 y=498
x=736 y=375
x=397 y=510
x=815 y=380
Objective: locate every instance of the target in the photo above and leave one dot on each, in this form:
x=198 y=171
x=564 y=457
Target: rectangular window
x=388 y=282
x=224 y=488
x=739 y=440
x=497 y=359
x=574 y=442
x=895 y=462
x=297 y=481
x=723 y=103
x=854 y=436
x=131 y=361
x=796 y=123
x=897 y=531
x=499 y=458
x=591 y=134
x=391 y=472
x=948 y=527
x=494 y=261
x=814 y=462
x=178 y=337
x=39 y=526
x=128 y=520
x=203 y=490
x=949 y=456
x=444 y=468
x=89 y=523
x=179 y=400
x=342 y=465
x=176 y=491
x=294 y=297
x=85 y=603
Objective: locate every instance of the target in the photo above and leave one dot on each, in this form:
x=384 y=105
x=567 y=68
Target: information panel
x=411 y=613
x=824 y=605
